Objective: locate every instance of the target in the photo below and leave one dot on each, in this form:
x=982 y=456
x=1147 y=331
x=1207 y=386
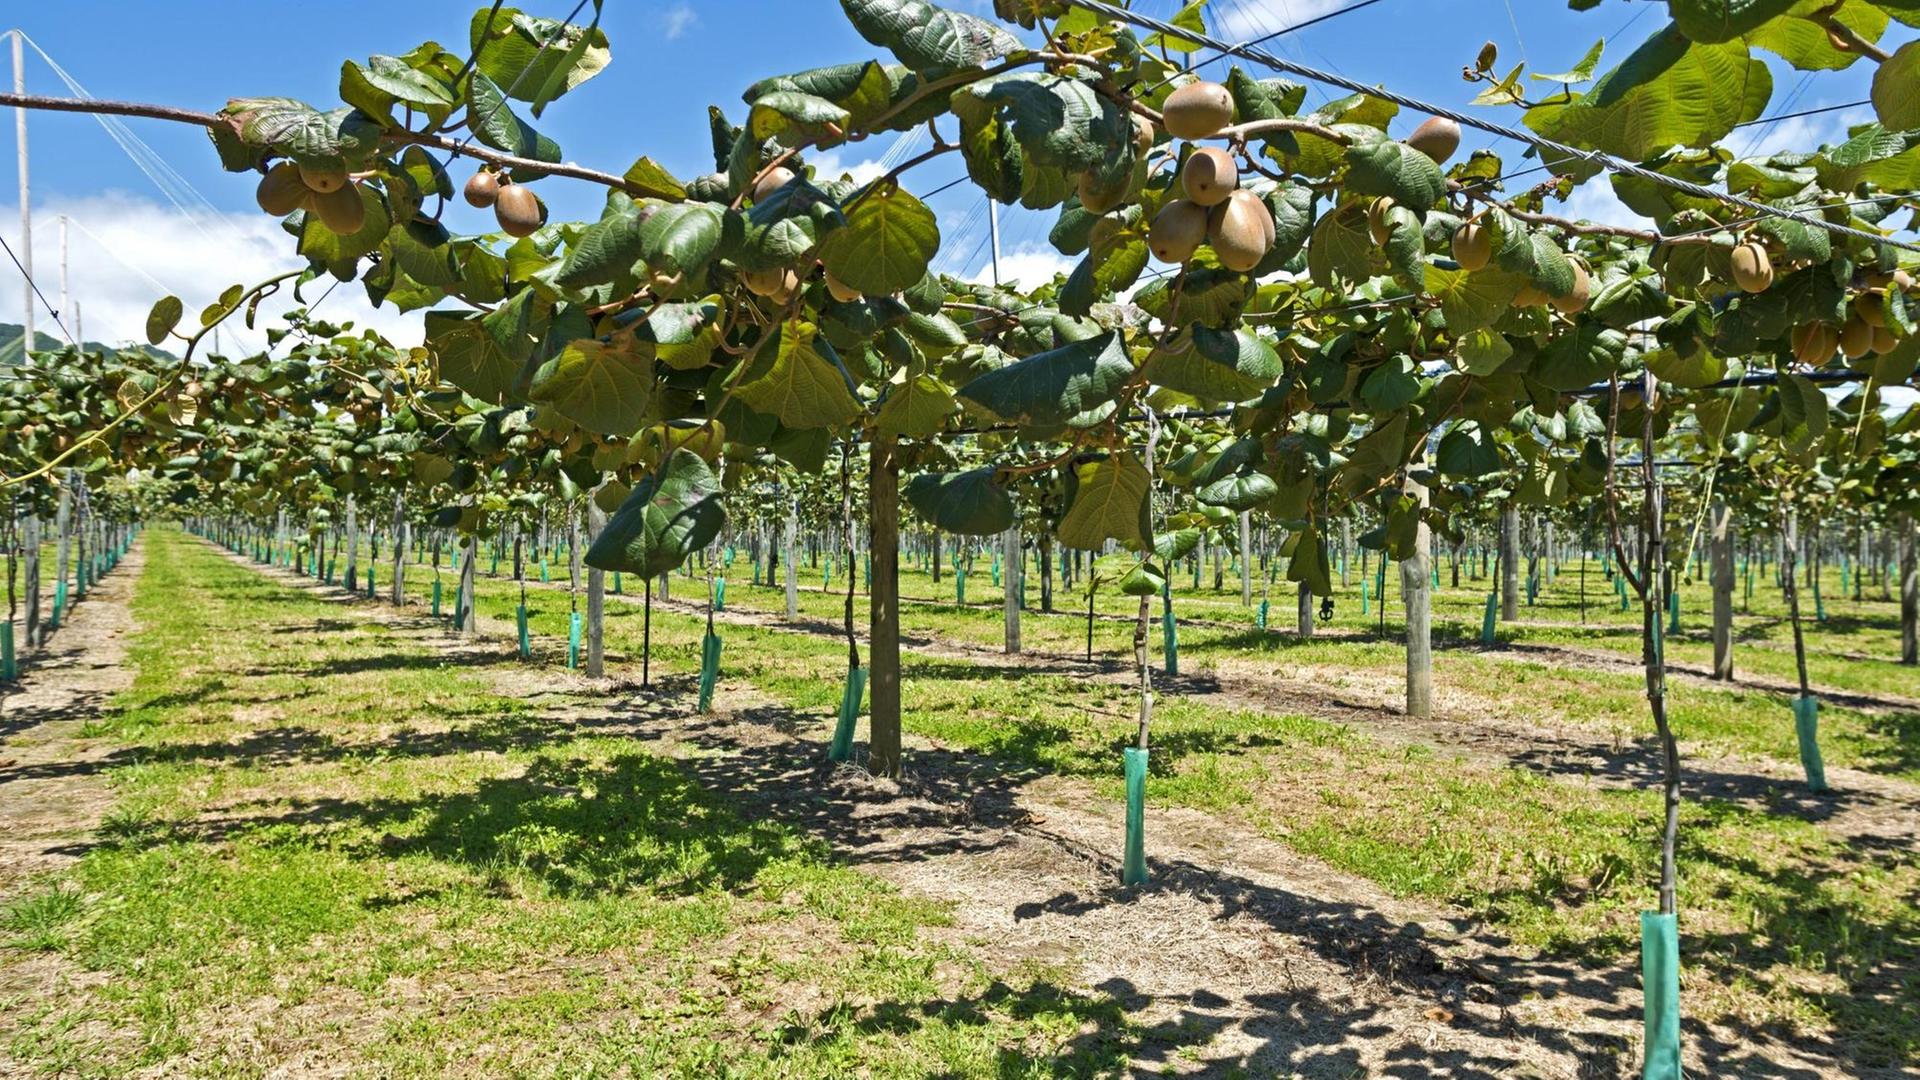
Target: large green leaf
x=671 y=514
x=290 y=128
x=885 y=246
x=796 y=376
x=605 y=387
x=931 y=40
x=969 y=503
x=1390 y=167
x=1722 y=20
x=1896 y=89
x=1052 y=387
x=1803 y=412
x=915 y=406
x=1669 y=92
x=1468 y=451
x=1469 y=301
x=1110 y=501
x=495 y=124
x=385 y=81
x=682 y=237
x=605 y=252
x=540 y=58
x=1215 y=365
x=1309 y=565
x=1058 y=121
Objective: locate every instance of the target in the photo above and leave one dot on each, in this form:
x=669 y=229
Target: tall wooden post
x=883 y=647
x=1721 y=546
x=596 y=597
x=1416 y=594
x=1011 y=585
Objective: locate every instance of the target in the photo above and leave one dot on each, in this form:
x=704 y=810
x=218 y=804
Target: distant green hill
x=11 y=333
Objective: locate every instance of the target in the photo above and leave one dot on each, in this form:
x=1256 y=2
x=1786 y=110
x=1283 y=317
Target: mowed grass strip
x=331 y=850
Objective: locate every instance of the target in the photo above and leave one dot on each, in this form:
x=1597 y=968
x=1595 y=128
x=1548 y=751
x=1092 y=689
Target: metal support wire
x=1592 y=157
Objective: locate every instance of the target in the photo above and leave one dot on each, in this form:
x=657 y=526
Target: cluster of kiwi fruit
x=323 y=190
x=1865 y=329
x=779 y=284
x=1473 y=249
x=1215 y=209
x=517 y=209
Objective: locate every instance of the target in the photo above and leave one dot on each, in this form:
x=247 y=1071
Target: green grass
x=1784 y=924
x=324 y=839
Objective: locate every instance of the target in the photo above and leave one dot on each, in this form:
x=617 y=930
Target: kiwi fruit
x=1813 y=342
x=1472 y=245
x=1903 y=281
x=1209 y=176
x=1178 y=230
x=1752 y=270
x=1097 y=197
x=1143 y=135
x=839 y=291
x=1437 y=138
x=518 y=210
x=280 y=192
x=1883 y=340
x=323 y=180
x=1241 y=231
x=1575 y=301
x=775 y=178
x=1378 y=226
x=1856 y=337
x=1530 y=295
x=482 y=189
x=1867 y=307
x=341 y=209
x=765 y=282
x=1198 y=110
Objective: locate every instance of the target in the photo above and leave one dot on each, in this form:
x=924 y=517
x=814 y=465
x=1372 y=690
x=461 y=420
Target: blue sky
x=670 y=60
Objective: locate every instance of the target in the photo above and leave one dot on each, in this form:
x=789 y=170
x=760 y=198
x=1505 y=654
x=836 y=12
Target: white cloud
x=1252 y=19
x=1026 y=267
x=126 y=251
x=678 y=20
x=831 y=165
x=1800 y=133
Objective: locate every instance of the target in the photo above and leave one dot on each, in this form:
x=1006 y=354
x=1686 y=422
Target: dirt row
x=1240 y=953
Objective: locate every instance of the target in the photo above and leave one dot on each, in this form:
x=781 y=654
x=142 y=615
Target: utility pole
x=63 y=266
x=26 y=213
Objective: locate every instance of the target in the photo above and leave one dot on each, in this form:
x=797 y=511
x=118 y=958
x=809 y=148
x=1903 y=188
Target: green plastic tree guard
x=436 y=598
x=8 y=669
x=1488 y=619
x=1660 y=982
x=1806 y=724
x=709 y=669
x=573 y=641
x=1133 y=869
x=842 y=746
x=617 y=590
x=526 y=639
x=1260 y=619
x=1363 y=596
x=1170 y=638
x=960 y=585
x=1673 y=612
x=719 y=594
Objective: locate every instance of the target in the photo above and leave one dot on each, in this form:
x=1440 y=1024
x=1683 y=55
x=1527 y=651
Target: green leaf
x=472 y=355
x=1057 y=120
x=1052 y=387
x=795 y=376
x=496 y=124
x=653 y=180
x=1896 y=89
x=1669 y=92
x=1391 y=167
x=540 y=58
x=1699 y=367
x=969 y=503
x=1803 y=412
x=1340 y=248
x=1802 y=41
x=792 y=116
x=889 y=239
x=1469 y=301
x=386 y=81
x=1215 y=365
x=164 y=316
x=1238 y=493
x=1309 y=565
x=915 y=406
x=1468 y=451
x=605 y=252
x=1145 y=579
x=1376 y=456
x=670 y=515
x=931 y=40
x=1722 y=20
x=294 y=129
x=1110 y=502
x=1580 y=72
x=1580 y=357
x=604 y=387
x=1482 y=351
x=1392 y=385
x=682 y=237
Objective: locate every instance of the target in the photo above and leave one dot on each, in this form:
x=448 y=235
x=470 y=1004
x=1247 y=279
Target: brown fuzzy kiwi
x=1209 y=176
x=1143 y=135
x=1867 y=306
x=1241 y=231
x=1437 y=138
x=341 y=209
x=1472 y=245
x=776 y=178
x=1883 y=340
x=1178 y=230
x=1097 y=197
x=482 y=190
x=1856 y=337
x=1378 y=225
x=1576 y=299
x=1752 y=269
x=518 y=210
x=839 y=291
x=765 y=282
x=323 y=180
x=1814 y=342
x=1530 y=295
x=1198 y=110
x=280 y=192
